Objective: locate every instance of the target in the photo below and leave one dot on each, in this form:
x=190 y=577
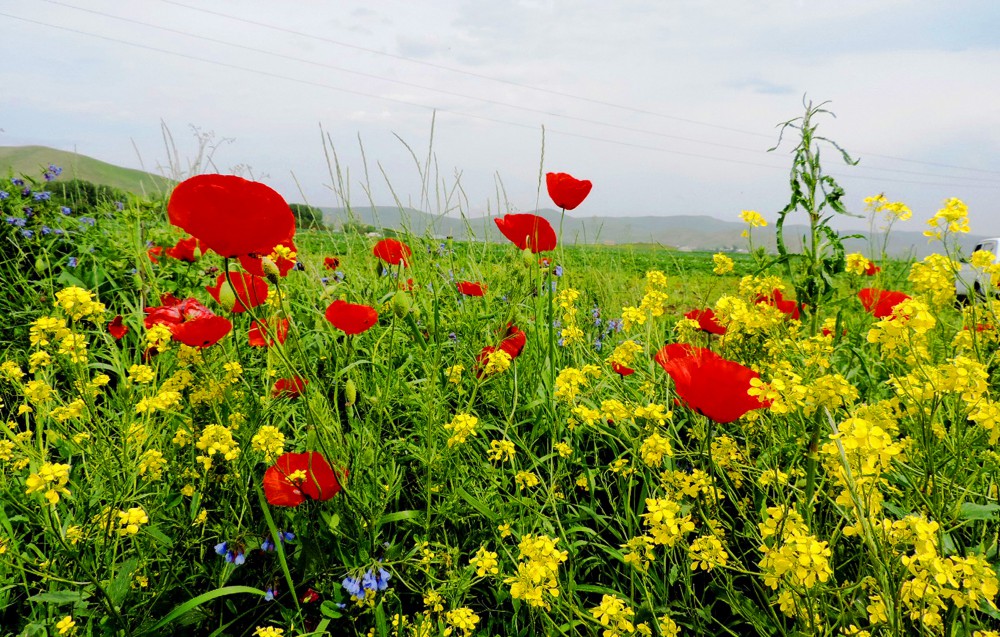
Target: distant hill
x=681 y=232
x=32 y=160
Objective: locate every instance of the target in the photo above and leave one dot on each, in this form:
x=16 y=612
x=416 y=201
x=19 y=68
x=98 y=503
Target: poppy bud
x=350 y=392
x=40 y=265
x=227 y=296
x=270 y=269
x=528 y=258
x=401 y=304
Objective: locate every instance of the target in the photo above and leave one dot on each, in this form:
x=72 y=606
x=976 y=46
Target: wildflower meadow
x=213 y=422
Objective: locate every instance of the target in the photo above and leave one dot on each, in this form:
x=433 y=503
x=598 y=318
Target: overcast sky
x=668 y=107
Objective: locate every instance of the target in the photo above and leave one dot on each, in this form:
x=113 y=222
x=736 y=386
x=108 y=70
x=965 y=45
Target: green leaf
x=195 y=602
x=973 y=511
x=331 y=610
x=119 y=588
x=58 y=597
x=399 y=516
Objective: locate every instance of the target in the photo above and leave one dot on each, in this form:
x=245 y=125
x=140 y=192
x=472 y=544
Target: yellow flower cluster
x=638 y=552
x=935 y=279
x=52 y=478
x=78 y=303
x=462 y=426
x=268 y=631
x=571 y=332
x=893 y=209
x=485 y=562
x=526 y=480
x=753 y=218
x=953 y=217
x=570 y=381
x=655 y=299
x=63 y=413
x=723 y=264
x=129 y=522
x=152 y=463
x=141 y=374
x=501 y=451
x=269 y=441
x=857 y=263
x=615 y=616
x=624 y=354
x=707 y=552
x=654 y=448
x=791 y=555
x=537 y=571
x=665 y=523
x=462 y=619
x=216 y=440
x=45 y=328
x=163 y=401
x=909 y=322
x=497 y=362
x=454 y=374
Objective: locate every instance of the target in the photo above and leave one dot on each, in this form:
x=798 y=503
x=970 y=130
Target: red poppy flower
x=331 y=263
x=231 y=215
x=787 y=306
x=254 y=264
x=566 y=191
x=471 y=289
x=201 y=332
x=117 y=329
x=707 y=321
x=264 y=332
x=392 y=252
x=871 y=269
x=621 y=370
x=184 y=250
x=709 y=384
x=289 y=387
x=351 y=318
x=247 y=291
x=406 y=286
x=513 y=343
x=153 y=252
x=174 y=311
x=528 y=231
x=295 y=476
x=880 y=302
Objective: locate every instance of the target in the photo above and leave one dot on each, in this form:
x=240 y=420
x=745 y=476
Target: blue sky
x=668 y=107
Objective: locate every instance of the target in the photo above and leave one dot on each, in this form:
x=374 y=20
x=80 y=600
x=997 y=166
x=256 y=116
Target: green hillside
x=32 y=160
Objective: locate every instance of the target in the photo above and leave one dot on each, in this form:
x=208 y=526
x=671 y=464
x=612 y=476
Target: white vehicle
x=969 y=281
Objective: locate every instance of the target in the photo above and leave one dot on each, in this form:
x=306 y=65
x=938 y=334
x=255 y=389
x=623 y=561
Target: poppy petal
x=566 y=191
x=351 y=318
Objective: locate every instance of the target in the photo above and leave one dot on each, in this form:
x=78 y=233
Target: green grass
x=32 y=160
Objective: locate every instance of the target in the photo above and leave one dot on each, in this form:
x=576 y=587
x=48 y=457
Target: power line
x=462 y=95
x=453 y=112
x=529 y=87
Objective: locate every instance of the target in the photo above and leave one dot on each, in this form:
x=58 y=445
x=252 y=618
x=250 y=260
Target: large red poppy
x=566 y=191
x=289 y=387
x=231 y=215
x=880 y=302
x=787 y=306
x=184 y=250
x=173 y=311
x=248 y=291
x=295 y=476
x=468 y=288
x=117 y=329
x=709 y=384
x=254 y=264
x=707 y=321
x=201 y=332
x=265 y=332
x=528 y=231
x=351 y=318
x=393 y=252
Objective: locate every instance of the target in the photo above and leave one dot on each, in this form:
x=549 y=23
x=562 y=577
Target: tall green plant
x=820 y=197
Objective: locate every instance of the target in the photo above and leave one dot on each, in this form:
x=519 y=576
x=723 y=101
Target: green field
x=359 y=448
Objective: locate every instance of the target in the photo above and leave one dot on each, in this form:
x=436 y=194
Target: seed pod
x=529 y=259
x=350 y=392
x=227 y=296
x=401 y=304
x=41 y=265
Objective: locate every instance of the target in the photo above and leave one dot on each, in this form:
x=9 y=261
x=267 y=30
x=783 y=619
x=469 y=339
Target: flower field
x=215 y=424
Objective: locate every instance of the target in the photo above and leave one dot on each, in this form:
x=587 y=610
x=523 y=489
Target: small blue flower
x=238 y=558
x=558 y=271
x=554 y=285
x=562 y=342
x=42 y=196
x=4 y=195
x=221 y=547
x=55 y=170
x=87 y=221
x=119 y=206
x=269 y=594
x=46 y=230
x=17 y=181
x=17 y=222
x=26 y=191
x=324 y=280
x=598 y=345
x=353 y=587
x=376 y=580
x=267 y=544
x=72 y=262
x=27 y=234
x=452 y=336
x=339 y=275
x=286 y=536
x=66 y=210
